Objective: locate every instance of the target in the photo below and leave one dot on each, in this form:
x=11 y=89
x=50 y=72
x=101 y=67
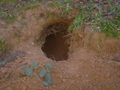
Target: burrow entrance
x=56 y=46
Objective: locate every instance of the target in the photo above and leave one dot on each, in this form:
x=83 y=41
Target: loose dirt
x=83 y=60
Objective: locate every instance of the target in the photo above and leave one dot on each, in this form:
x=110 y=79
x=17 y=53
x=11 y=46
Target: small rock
x=33 y=44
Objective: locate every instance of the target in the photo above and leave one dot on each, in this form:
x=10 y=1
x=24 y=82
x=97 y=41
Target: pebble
x=33 y=44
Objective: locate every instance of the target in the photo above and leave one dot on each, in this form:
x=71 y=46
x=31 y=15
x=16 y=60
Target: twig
x=53 y=57
x=37 y=77
x=85 y=79
x=103 y=83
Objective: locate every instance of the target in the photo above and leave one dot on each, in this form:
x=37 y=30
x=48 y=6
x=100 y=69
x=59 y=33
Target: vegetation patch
x=43 y=73
x=31 y=6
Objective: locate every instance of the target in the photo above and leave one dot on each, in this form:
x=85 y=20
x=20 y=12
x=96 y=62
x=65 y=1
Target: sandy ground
x=83 y=60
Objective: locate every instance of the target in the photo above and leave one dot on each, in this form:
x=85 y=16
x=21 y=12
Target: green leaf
x=3 y=62
x=23 y=74
x=47 y=70
x=50 y=68
x=1 y=42
x=23 y=68
x=30 y=66
x=52 y=64
x=8 y=48
x=46 y=64
x=45 y=84
x=29 y=72
x=48 y=79
x=35 y=64
x=42 y=73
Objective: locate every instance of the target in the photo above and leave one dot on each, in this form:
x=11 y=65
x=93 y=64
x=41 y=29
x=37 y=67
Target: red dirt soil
x=93 y=62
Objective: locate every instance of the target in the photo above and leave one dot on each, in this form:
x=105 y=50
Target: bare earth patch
x=83 y=60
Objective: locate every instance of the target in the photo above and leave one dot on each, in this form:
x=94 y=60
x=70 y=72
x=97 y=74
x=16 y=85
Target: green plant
x=11 y=20
x=17 y=40
x=52 y=4
x=43 y=73
x=31 y=6
x=94 y=16
x=8 y=1
x=99 y=48
x=1 y=47
x=49 y=14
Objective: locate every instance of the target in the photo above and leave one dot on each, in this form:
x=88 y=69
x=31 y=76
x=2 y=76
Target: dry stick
x=103 y=83
x=85 y=78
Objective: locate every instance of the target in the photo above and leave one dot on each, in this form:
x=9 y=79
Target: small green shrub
x=43 y=73
x=31 y=6
x=1 y=47
x=8 y=1
x=93 y=15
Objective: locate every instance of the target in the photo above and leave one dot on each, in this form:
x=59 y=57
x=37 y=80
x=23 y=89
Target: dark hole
x=56 y=46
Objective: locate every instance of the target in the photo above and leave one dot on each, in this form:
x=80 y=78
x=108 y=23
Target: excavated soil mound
x=83 y=59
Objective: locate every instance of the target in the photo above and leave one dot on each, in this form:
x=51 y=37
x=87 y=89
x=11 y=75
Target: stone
x=33 y=44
